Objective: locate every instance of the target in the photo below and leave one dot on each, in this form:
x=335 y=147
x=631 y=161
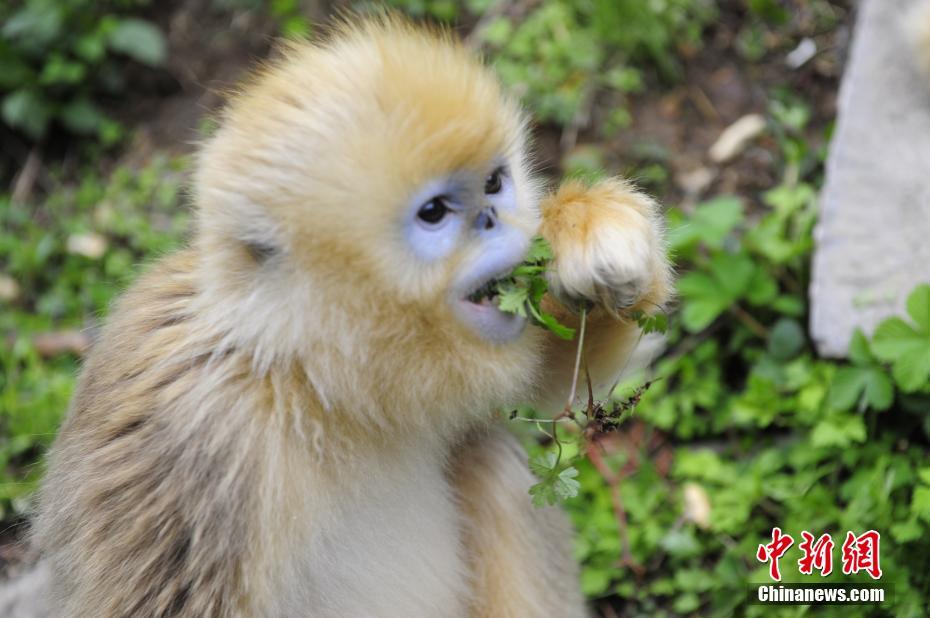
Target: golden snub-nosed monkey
x=293 y=416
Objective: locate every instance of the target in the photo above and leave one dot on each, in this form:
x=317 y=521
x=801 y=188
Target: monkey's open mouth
x=479 y=310
x=487 y=294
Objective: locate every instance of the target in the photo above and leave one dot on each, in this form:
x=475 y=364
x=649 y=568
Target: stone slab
x=873 y=235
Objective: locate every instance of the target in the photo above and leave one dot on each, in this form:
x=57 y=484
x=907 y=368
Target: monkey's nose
x=487 y=219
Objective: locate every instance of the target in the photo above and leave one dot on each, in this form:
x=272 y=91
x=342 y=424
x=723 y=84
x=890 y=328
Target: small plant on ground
x=58 y=59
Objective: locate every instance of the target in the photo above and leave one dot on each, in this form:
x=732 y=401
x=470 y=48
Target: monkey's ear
x=260 y=251
x=235 y=226
x=258 y=237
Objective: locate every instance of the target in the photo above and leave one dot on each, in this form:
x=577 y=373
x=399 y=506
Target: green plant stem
x=571 y=397
x=749 y=322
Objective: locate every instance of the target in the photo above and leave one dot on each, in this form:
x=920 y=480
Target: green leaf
x=686 y=603
x=553 y=486
x=38 y=24
x=786 y=339
x=786 y=199
x=911 y=370
x=549 y=321
x=497 y=32
x=895 y=337
x=859 y=352
x=908 y=531
x=594 y=582
x=861 y=387
x=920 y=502
x=762 y=288
x=769 y=238
x=839 y=431
x=13 y=71
x=698 y=314
x=91 y=47
x=864 y=385
x=513 y=298
x=711 y=223
x=523 y=290
x=81 y=116
x=657 y=323
x=789 y=305
x=540 y=250
x=770 y=10
x=907 y=347
x=542 y=465
x=543 y=493
x=733 y=272
x=846 y=389
x=139 y=39
x=681 y=543
x=295 y=27
x=26 y=110
x=879 y=391
x=565 y=485
x=707 y=294
x=59 y=70
x=918 y=307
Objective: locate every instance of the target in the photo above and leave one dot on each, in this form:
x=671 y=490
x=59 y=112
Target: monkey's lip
x=478 y=309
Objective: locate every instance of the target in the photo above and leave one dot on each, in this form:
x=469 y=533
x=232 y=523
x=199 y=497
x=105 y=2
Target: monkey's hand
x=609 y=249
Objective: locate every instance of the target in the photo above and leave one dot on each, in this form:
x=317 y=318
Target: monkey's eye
x=433 y=211
x=492 y=184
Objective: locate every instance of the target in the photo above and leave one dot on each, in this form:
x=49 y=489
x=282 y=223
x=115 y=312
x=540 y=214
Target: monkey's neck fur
x=342 y=366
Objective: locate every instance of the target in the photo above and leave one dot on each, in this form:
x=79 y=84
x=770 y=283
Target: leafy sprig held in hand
x=522 y=291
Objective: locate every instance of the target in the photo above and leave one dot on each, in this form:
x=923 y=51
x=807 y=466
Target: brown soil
x=674 y=126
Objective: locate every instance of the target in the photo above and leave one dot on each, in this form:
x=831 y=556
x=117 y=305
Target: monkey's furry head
x=356 y=195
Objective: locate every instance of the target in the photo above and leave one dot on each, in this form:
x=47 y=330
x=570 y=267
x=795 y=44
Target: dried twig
x=26 y=178
x=613 y=481
x=54 y=343
x=750 y=322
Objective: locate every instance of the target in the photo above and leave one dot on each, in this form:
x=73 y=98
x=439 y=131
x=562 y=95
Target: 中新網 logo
x=859 y=553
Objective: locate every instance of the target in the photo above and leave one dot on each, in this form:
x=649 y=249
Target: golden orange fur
x=284 y=419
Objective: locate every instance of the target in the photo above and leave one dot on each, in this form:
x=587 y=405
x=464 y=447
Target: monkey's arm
x=609 y=252
x=520 y=556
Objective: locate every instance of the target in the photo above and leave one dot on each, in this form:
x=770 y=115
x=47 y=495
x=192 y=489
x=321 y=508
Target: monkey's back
x=140 y=514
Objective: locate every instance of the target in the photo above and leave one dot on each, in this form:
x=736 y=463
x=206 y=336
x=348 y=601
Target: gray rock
x=873 y=237
x=26 y=594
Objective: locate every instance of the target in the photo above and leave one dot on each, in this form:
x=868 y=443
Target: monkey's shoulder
x=165 y=290
x=141 y=347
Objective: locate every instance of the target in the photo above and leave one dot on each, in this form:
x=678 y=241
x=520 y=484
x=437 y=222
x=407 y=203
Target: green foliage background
x=58 y=59
x=759 y=426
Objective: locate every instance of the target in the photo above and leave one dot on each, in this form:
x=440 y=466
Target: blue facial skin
x=450 y=211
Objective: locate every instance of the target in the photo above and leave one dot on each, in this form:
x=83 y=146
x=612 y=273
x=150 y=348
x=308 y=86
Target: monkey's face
x=471 y=219
x=405 y=176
